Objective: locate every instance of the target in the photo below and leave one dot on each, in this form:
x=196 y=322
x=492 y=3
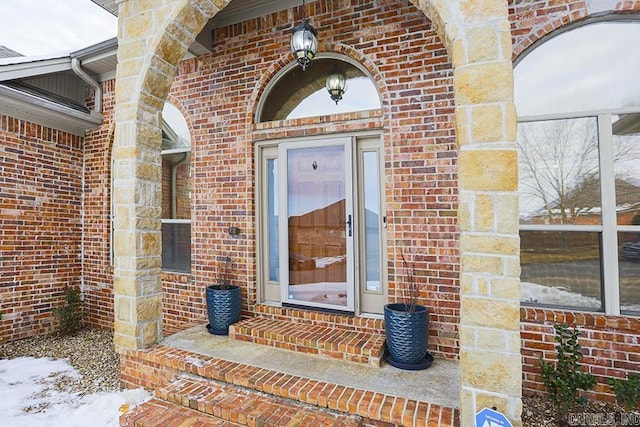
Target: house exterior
x=102 y=191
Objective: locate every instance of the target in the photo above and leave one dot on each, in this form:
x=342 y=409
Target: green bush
x=627 y=391
x=564 y=379
x=70 y=314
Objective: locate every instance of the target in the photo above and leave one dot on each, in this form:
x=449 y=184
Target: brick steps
x=158 y=367
x=330 y=341
x=247 y=407
x=158 y=413
x=190 y=401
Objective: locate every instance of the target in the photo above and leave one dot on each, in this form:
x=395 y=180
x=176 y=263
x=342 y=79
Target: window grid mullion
x=609 y=218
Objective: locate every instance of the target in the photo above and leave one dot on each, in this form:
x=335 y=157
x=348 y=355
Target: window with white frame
x=578 y=97
x=176 y=191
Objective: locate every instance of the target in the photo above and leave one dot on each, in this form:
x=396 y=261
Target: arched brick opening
x=277 y=68
x=530 y=38
x=148 y=57
x=477 y=38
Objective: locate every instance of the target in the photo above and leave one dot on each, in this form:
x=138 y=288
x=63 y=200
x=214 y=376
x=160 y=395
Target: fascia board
x=22 y=105
x=27 y=69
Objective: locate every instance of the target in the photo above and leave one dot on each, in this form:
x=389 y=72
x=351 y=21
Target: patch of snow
x=195 y=361
x=27 y=383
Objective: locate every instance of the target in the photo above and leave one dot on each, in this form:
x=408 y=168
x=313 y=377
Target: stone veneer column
x=491 y=367
x=153 y=36
x=478 y=37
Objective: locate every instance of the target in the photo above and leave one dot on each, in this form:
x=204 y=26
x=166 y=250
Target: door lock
x=348 y=223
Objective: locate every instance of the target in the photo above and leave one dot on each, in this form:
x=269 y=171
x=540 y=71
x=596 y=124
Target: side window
x=176 y=191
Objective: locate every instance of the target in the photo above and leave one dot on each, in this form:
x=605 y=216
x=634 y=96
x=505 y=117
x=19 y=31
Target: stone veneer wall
x=40 y=224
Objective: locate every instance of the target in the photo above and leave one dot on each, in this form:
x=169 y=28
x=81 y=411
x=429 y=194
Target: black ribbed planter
x=223 y=308
x=407 y=335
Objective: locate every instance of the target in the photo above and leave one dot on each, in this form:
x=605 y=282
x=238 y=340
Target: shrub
x=627 y=391
x=70 y=314
x=564 y=379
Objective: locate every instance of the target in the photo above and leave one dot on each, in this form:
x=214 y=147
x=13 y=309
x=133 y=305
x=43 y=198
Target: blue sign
x=490 y=418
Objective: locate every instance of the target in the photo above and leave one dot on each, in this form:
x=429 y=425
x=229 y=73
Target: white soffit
x=38 y=110
x=236 y=11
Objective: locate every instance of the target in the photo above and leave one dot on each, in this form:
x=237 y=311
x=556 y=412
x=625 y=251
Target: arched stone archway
x=152 y=41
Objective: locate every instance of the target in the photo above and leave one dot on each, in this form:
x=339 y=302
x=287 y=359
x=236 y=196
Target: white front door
x=316 y=221
x=321 y=229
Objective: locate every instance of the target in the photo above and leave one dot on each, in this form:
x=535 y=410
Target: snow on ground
x=30 y=398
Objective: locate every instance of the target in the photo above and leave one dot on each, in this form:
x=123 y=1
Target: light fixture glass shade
x=336 y=85
x=304 y=44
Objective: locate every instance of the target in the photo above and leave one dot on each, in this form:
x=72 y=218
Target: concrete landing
x=437 y=385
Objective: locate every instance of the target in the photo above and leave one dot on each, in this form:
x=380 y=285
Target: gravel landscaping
x=90 y=351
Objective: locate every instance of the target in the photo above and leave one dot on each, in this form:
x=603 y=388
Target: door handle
x=348 y=223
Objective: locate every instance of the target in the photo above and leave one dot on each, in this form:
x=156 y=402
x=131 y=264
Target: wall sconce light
x=304 y=44
x=336 y=85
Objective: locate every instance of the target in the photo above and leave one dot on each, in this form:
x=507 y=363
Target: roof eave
x=26 y=69
x=28 y=107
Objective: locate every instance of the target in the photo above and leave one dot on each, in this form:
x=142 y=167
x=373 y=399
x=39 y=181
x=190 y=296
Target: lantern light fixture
x=336 y=85
x=304 y=42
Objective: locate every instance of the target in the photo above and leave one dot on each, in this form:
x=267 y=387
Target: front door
x=316 y=222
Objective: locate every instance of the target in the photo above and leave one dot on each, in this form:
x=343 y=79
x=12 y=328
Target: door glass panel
x=371 y=192
x=316 y=225
x=272 y=219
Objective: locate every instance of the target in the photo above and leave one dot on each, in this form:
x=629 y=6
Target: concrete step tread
x=162 y=363
x=326 y=341
x=159 y=413
x=248 y=407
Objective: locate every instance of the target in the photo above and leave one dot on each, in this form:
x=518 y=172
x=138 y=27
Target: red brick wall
x=611 y=344
x=97 y=268
x=219 y=93
x=40 y=224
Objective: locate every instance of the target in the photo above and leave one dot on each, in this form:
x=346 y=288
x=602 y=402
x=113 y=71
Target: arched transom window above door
x=294 y=93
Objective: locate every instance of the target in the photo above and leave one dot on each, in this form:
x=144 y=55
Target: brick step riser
x=316 y=318
x=247 y=407
x=158 y=413
x=352 y=346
